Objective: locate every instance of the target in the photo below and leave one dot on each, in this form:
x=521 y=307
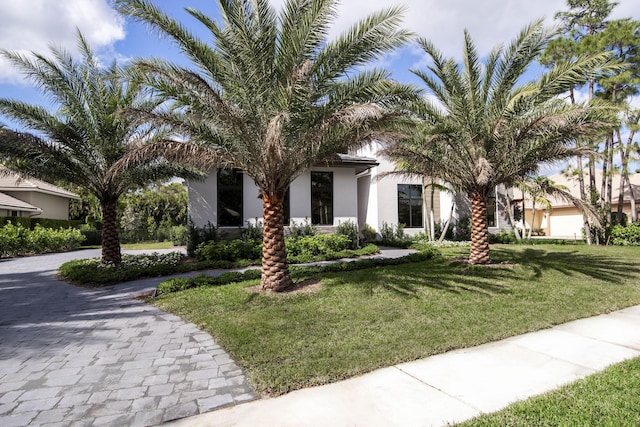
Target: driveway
x=74 y=356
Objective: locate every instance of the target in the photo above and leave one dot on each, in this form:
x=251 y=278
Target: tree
x=272 y=96
x=82 y=140
x=487 y=128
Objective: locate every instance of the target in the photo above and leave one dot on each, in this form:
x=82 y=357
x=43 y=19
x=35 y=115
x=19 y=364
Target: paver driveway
x=73 y=356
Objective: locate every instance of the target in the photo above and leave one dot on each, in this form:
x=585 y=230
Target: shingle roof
x=11 y=182
x=11 y=203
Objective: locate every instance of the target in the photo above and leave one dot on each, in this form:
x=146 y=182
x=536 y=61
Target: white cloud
x=33 y=25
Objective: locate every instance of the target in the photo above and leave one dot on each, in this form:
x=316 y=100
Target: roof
x=360 y=163
x=572 y=184
x=13 y=204
x=10 y=181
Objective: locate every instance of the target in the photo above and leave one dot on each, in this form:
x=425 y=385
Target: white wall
x=203 y=206
x=203 y=200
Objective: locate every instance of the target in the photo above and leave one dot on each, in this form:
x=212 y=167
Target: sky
x=34 y=25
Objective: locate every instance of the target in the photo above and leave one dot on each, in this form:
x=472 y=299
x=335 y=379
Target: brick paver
x=78 y=356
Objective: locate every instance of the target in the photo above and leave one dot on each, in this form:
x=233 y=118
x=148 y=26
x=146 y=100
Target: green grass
x=608 y=398
x=148 y=245
x=362 y=320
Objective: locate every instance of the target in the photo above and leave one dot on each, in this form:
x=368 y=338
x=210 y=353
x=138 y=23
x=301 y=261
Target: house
x=563 y=220
x=387 y=198
x=30 y=197
x=352 y=188
x=325 y=195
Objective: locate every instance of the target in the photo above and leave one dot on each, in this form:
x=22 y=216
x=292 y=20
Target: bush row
x=17 y=240
x=297 y=272
x=44 y=222
x=299 y=249
x=626 y=236
x=92 y=271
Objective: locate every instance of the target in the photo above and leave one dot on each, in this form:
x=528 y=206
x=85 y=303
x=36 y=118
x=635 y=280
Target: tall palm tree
x=486 y=127
x=271 y=95
x=90 y=130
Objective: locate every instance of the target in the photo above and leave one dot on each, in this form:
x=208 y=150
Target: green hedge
x=44 y=222
x=297 y=272
x=17 y=240
x=626 y=236
x=299 y=249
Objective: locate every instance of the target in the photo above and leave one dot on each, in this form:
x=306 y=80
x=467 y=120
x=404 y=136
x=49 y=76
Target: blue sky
x=32 y=25
x=27 y=25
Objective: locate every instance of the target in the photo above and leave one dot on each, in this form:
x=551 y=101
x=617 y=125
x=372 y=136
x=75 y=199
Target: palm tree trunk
x=110 y=238
x=479 y=230
x=275 y=270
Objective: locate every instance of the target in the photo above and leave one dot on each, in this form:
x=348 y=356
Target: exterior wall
x=53 y=207
x=203 y=198
x=378 y=196
x=202 y=195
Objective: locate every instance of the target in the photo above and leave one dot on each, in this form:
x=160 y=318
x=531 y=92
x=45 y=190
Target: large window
x=410 y=205
x=229 y=198
x=322 y=198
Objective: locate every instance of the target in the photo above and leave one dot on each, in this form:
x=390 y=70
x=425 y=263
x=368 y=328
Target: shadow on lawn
x=526 y=265
x=606 y=267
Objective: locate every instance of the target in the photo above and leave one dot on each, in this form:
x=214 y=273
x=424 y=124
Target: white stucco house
x=352 y=188
x=30 y=197
x=326 y=196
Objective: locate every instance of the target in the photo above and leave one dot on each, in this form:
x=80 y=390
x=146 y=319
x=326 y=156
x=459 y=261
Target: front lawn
x=608 y=398
x=362 y=320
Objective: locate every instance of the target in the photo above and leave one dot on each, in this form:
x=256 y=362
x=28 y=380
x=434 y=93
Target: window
x=491 y=210
x=322 y=198
x=286 y=207
x=229 y=198
x=15 y=213
x=410 y=205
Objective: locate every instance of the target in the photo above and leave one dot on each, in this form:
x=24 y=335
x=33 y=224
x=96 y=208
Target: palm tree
x=82 y=140
x=485 y=127
x=272 y=96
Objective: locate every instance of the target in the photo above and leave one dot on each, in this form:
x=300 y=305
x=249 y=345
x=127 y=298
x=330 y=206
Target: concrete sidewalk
x=450 y=387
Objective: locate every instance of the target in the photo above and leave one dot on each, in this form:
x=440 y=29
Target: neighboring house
x=325 y=196
x=564 y=220
x=30 y=197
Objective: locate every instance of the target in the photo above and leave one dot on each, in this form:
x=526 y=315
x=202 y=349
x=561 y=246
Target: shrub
x=368 y=233
x=503 y=237
x=302 y=230
x=231 y=250
x=178 y=235
x=16 y=240
x=626 y=236
x=349 y=229
x=93 y=271
x=317 y=245
x=199 y=235
x=253 y=232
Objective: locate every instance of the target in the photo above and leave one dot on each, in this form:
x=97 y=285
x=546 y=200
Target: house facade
x=30 y=197
x=353 y=188
x=325 y=195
